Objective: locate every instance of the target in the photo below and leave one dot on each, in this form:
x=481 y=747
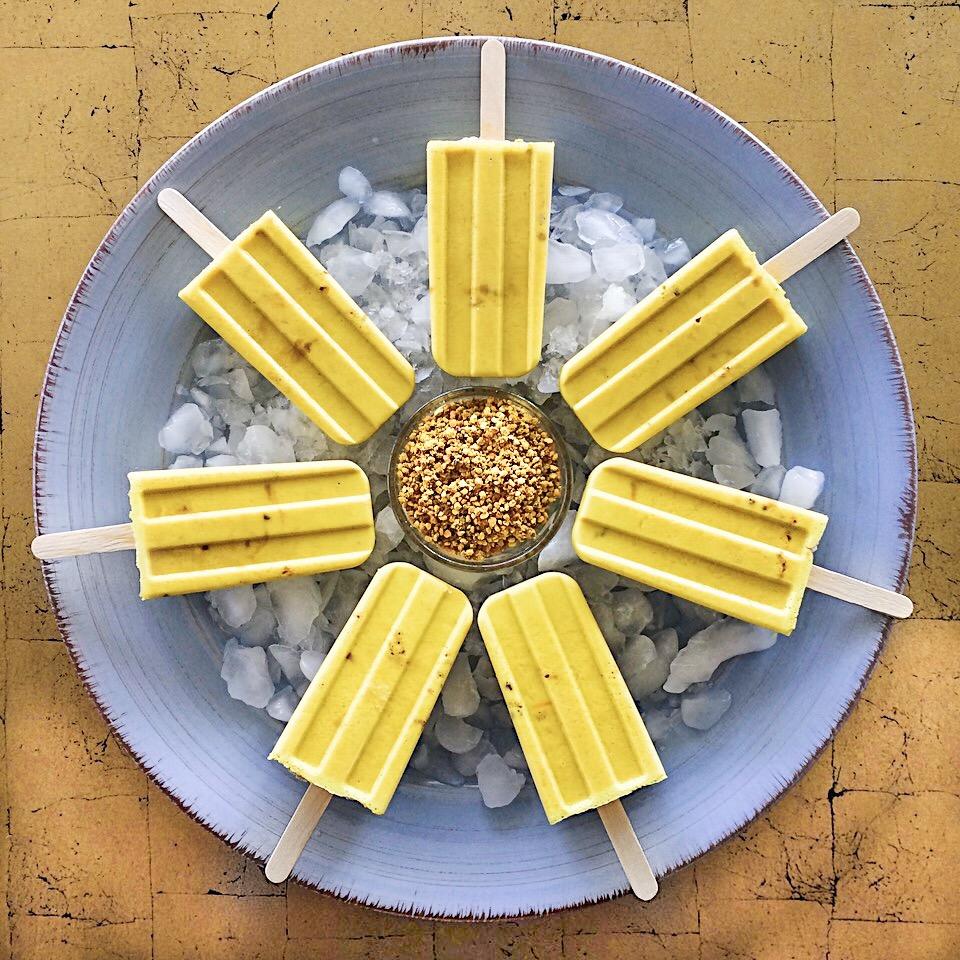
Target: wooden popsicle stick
x=77 y=543
x=192 y=222
x=296 y=834
x=493 y=91
x=643 y=881
x=812 y=244
x=863 y=594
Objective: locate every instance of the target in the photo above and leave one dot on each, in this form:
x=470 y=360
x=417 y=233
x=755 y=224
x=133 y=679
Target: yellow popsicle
x=579 y=728
x=714 y=320
x=735 y=552
x=488 y=214
x=274 y=303
x=364 y=711
x=208 y=528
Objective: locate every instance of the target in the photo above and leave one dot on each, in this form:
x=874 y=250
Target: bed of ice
x=602 y=260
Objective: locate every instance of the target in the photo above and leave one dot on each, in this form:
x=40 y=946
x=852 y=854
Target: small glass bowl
x=522 y=551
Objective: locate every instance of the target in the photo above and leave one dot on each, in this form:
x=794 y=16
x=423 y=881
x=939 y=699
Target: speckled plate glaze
x=154 y=667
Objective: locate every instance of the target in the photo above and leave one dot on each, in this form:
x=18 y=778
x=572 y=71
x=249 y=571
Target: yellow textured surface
x=732 y=551
x=859 y=858
x=578 y=726
x=280 y=309
x=713 y=321
x=206 y=529
x=357 y=725
x=488 y=206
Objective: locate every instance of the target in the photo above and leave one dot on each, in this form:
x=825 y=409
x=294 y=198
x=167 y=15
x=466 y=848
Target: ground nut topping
x=478 y=477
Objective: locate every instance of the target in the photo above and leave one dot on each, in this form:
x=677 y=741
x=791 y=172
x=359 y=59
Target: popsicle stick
x=813 y=244
x=627 y=847
x=298 y=831
x=863 y=594
x=77 y=543
x=493 y=91
x=192 y=222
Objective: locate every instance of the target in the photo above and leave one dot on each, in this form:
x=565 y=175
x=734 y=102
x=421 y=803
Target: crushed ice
x=601 y=262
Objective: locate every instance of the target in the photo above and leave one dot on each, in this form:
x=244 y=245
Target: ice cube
x=616 y=302
x=212 y=357
x=659 y=723
x=386 y=203
x=703 y=707
x=440 y=767
x=389 y=532
x=236 y=605
x=282 y=704
x=769 y=481
x=764 y=435
x=619 y=261
x=571 y=190
x=420 y=234
x=596 y=582
x=594 y=225
x=353 y=269
x=421 y=756
x=296 y=604
x=560 y=312
x=499 y=783
x=187 y=431
x=632 y=612
x=559 y=552
x=638 y=654
x=733 y=475
x=240 y=384
x=310 y=662
x=646 y=228
x=260 y=444
x=186 y=461
x=675 y=254
x=467 y=763
x=706 y=650
x=420 y=314
x=260 y=629
x=605 y=201
x=549 y=380
x=350 y=587
x=486 y=679
x=289 y=659
x=331 y=220
x=366 y=238
x=567 y=263
x=514 y=758
x=460 y=696
x=756 y=387
x=354 y=185
x=730 y=450
x=246 y=673
x=801 y=487
x=455 y=735
x=562 y=341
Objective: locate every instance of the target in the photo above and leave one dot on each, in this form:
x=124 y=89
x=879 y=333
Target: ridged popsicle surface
x=714 y=320
x=277 y=306
x=580 y=730
x=363 y=713
x=215 y=527
x=735 y=552
x=488 y=214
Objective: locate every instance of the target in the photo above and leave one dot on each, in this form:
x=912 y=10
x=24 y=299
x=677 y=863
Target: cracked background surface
x=858 y=859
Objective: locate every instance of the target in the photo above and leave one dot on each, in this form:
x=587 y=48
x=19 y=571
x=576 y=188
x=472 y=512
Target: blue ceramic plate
x=154 y=667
